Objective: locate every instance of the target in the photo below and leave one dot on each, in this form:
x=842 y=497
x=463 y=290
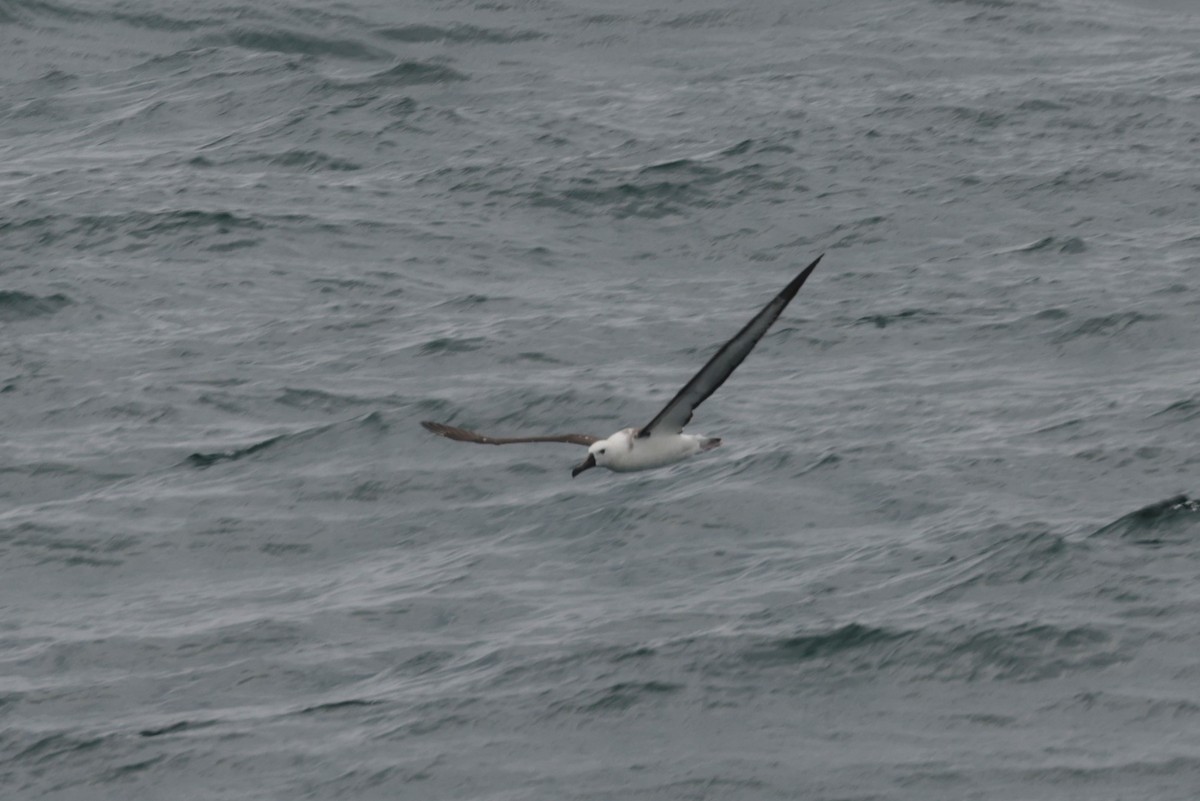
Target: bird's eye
x=602 y=450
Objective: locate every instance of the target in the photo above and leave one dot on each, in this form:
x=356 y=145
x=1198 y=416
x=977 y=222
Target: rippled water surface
x=947 y=551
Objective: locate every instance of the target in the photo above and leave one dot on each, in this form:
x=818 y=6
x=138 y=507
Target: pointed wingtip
x=456 y=434
x=441 y=429
x=805 y=272
x=791 y=289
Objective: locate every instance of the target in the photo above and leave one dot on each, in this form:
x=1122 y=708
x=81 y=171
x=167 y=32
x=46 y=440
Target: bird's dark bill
x=587 y=463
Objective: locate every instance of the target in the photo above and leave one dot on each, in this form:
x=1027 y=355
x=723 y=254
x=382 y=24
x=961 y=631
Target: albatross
x=662 y=441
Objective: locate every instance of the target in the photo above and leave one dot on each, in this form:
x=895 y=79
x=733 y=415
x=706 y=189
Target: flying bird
x=662 y=441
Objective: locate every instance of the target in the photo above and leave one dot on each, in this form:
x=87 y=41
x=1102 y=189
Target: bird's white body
x=626 y=452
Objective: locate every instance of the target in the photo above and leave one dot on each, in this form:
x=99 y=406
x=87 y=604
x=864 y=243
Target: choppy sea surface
x=947 y=551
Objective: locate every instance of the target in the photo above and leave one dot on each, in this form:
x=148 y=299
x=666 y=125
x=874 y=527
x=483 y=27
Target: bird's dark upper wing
x=463 y=435
x=676 y=414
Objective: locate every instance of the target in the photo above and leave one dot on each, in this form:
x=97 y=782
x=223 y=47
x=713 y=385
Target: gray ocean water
x=947 y=550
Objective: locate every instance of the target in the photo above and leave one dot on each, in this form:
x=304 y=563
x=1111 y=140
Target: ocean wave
x=404 y=73
x=1180 y=411
x=1107 y=325
x=369 y=423
x=848 y=642
x=1176 y=519
x=614 y=698
x=458 y=33
x=16 y=306
x=915 y=316
x=1068 y=245
x=981 y=651
x=295 y=43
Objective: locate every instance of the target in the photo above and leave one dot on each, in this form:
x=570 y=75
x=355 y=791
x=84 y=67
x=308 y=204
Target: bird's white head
x=599 y=455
